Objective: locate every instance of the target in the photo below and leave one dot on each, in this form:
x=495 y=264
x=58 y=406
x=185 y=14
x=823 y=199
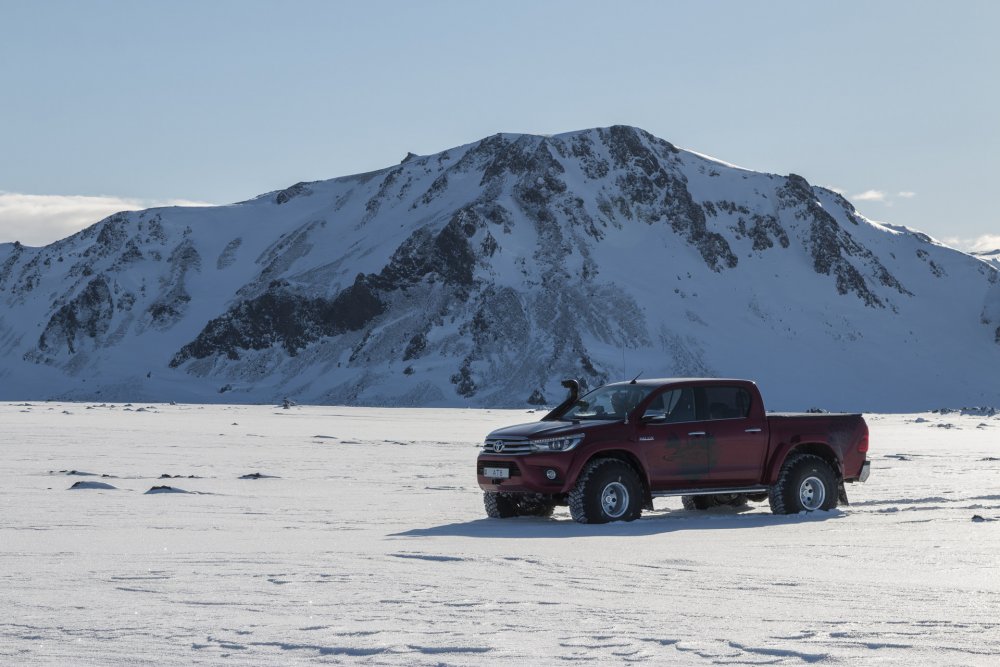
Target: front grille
x=510 y=465
x=499 y=446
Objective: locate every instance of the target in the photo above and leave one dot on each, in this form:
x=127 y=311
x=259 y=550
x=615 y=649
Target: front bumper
x=527 y=473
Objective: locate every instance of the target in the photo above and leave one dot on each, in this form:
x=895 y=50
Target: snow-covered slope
x=484 y=274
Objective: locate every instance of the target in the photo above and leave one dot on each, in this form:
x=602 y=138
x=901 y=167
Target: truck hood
x=547 y=429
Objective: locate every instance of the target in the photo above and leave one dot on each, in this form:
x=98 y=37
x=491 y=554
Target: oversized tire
x=708 y=502
x=607 y=490
x=806 y=483
x=697 y=502
x=507 y=505
x=499 y=505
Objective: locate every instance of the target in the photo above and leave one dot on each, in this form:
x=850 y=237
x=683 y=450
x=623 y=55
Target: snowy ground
x=369 y=545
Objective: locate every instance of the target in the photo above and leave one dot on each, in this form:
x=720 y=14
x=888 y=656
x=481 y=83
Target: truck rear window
x=727 y=402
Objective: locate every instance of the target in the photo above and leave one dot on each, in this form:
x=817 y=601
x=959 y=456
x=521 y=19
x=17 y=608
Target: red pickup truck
x=609 y=453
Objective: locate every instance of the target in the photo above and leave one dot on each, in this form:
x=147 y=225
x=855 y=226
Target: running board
x=711 y=492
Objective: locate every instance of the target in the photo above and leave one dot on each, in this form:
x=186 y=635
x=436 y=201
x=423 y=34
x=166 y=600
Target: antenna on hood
x=636 y=377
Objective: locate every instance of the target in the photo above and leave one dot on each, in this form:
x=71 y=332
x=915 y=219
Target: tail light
x=863 y=442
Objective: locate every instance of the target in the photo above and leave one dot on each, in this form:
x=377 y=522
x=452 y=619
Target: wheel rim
x=812 y=493
x=614 y=500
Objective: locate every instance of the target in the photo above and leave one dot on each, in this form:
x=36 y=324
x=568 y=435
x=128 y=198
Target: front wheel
x=607 y=490
x=806 y=483
x=499 y=505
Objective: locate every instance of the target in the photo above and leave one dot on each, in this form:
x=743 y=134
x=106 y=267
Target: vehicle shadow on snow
x=654 y=523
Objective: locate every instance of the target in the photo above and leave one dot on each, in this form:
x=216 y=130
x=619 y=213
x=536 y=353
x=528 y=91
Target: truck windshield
x=608 y=402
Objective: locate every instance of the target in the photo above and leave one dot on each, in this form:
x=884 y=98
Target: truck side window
x=727 y=402
x=655 y=409
x=678 y=406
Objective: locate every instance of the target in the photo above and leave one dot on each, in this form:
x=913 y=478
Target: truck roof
x=658 y=382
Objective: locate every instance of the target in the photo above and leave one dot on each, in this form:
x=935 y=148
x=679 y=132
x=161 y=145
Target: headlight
x=560 y=444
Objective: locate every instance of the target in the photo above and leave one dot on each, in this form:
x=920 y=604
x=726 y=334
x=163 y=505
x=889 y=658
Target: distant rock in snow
x=79 y=473
x=257 y=475
x=485 y=274
x=165 y=489
x=92 y=485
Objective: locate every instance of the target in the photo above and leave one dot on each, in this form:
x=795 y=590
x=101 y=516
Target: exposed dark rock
x=662 y=194
x=415 y=347
x=582 y=148
x=373 y=204
x=172 y=302
x=279 y=316
x=93 y=485
x=165 y=489
x=830 y=245
x=6 y=269
x=112 y=233
x=228 y=254
x=129 y=255
x=86 y=316
x=464 y=384
x=291 y=192
x=762 y=230
x=436 y=188
x=447 y=254
x=537 y=398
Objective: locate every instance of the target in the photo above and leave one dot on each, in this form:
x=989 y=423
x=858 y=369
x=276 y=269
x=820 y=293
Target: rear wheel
x=607 y=490
x=806 y=483
x=697 y=502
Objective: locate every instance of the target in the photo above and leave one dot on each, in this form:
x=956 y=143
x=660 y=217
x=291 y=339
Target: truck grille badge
x=497 y=447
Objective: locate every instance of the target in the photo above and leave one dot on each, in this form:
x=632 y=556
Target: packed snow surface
x=357 y=535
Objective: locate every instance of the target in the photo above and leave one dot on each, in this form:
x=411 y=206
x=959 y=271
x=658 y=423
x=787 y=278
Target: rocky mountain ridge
x=484 y=274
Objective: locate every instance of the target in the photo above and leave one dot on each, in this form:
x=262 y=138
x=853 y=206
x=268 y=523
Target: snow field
x=364 y=541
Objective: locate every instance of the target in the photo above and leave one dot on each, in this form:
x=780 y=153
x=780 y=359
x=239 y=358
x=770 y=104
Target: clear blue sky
x=219 y=101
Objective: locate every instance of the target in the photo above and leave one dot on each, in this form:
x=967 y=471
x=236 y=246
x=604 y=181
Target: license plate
x=496 y=473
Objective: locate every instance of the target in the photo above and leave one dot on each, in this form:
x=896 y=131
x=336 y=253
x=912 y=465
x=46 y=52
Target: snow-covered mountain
x=485 y=274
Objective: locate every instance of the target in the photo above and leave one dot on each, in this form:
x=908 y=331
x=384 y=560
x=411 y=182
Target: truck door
x=736 y=435
x=671 y=441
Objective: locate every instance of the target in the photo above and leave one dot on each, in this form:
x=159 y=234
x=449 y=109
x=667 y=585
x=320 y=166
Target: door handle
x=694 y=433
x=752 y=430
